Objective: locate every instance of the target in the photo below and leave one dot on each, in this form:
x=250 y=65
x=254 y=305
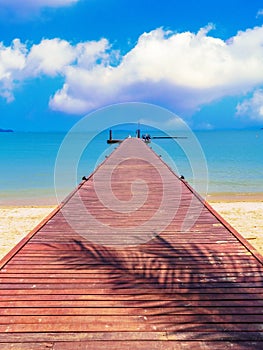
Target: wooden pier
x=170 y=274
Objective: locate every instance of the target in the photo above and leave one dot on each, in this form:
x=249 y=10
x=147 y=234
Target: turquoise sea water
x=234 y=163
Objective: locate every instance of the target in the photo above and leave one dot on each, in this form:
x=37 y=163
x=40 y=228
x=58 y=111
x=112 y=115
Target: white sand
x=17 y=222
x=246 y=218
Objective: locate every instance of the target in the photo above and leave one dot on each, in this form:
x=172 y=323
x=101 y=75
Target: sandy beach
x=245 y=217
x=17 y=222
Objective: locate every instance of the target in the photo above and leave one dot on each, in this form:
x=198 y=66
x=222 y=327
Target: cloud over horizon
x=252 y=107
x=180 y=71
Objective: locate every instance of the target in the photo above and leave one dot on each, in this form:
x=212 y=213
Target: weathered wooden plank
x=158 y=251
x=124 y=286
x=104 y=273
x=26 y=346
x=83 y=266
x=168 y=277
x=172 y=257
x=83 y=336
x=179 y=345
x=126 y=321
x=61 y=249
x=179 y=336
x=184 y=254
x=101 y=345
x=192 y=293
x=160 y=345
x=109 y=324
x=204 y=300
x=140 y=286
x=87 y=261
x=145 y=345
x=117 y=309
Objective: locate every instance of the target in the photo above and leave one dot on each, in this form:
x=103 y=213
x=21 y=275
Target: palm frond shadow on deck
x=190 y=302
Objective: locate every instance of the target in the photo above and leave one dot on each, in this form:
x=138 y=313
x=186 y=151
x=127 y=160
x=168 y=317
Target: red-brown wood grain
x=150 y=282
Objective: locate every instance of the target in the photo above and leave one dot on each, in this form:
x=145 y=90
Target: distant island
x=6 y=130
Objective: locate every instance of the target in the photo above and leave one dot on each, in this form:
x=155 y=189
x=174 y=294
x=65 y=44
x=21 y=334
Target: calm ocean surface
x=234 y=163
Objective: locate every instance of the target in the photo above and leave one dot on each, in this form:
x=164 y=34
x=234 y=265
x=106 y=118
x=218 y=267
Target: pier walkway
x=143 y=264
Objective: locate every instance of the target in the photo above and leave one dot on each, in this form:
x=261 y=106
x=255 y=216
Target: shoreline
x=243 y=212
x=231 y=197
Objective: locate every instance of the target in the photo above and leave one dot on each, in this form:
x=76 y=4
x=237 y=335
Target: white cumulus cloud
x=180 y=71
x=177 y=70
x=12 y=63
x=50 y=57
x=252 y=107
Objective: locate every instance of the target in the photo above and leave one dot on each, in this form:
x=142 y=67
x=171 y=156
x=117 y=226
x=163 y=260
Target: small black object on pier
x=111 y=140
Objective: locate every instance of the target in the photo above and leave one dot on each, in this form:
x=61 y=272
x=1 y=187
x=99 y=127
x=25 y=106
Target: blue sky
x=61 y=59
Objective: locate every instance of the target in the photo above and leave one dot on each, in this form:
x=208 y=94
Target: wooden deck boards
x=178 y=279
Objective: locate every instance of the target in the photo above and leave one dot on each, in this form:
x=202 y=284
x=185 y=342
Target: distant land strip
x=6 y=130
